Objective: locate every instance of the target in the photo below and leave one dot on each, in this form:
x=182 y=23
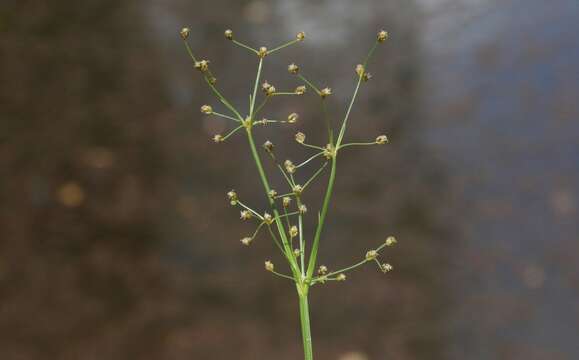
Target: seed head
x=341 y=277
x=246 y=241
x=267 y=218
x=289 y=166
x=300 y=90
x=293 y=68
x=246 y=215
x=272 y=193
x=371 y=255
x=232 y=196
x=297 y=189
x=229 y=34
x=301 y=36
x=366 y=77
x=297 y=252
x=329 y=151
x=267 y=88
x=185 y=33
x=292 y=118
x=262 y=52
x=269 y=266
x=382 y=36
x=386 y=268
x=202 y=65
x=325 y=92
x=391 y=241
x=302 y=208
x=300 y=137
x=322 y=270
x=382 y=139
x=218 y=138
x=206 y=109
x=286 y=201
x=268 y=146
x=270 y=91
x=293 y=231
x=360 y=69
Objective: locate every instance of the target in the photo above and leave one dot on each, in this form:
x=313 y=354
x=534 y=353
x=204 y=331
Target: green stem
x=322 y=217
x=287 y=249
x=305 y=324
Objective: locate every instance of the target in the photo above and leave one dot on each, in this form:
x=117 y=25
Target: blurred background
x=116 y=239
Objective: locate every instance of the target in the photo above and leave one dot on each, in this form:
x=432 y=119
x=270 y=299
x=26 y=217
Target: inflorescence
x=285 y=224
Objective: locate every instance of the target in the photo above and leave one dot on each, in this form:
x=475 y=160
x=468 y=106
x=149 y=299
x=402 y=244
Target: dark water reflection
x=116 y=239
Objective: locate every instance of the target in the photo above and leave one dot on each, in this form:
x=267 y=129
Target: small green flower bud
x=185 y=33
x=268 y=146
x=246 y=241
x=286 y=201
x=292 y=118
x=391 y=241
x=300 y=137
x=371 y=255
x=341 y=277
x=381 y=140
x=329 y=151
x=302 y=208
x=293 y=68
x=267 y=218
x=269 y=266
x=232 y=196
x=289 y=166
x=382 y=36
x=246 y=215
x=218 y=138
x=325 y=92
x=297 y=189
x=229 y=34
x=301 y=36
x=322 y=270
x=202 y=65
x=206 y=109
x=262 y=52
x=272 y=193
x=300 y=90
x=297 y=252
x=293 y=231
x=386 y=268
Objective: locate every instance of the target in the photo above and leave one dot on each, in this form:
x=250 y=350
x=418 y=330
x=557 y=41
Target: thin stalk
x=278 y=221
x=305 y=324
x=283 y=46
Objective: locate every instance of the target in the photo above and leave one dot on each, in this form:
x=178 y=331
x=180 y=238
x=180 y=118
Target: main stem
x=305 y=323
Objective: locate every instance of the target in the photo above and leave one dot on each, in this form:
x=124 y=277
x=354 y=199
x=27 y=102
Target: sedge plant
x=284 y=218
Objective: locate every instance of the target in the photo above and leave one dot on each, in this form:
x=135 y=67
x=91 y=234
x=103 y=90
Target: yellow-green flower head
x=325 y=92
x=391 y=241
x=292 y=118
x=293 y=68
x=185 y=33
x=382 y=139
x=382 y=36
x=206 y=109
x=300 y=90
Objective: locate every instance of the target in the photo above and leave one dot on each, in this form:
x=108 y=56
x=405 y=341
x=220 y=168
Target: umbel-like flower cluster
x=284 y=217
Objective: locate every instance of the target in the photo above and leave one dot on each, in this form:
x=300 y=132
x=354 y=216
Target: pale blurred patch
x=70 y=194
x=533 y=276
x=354 y=355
